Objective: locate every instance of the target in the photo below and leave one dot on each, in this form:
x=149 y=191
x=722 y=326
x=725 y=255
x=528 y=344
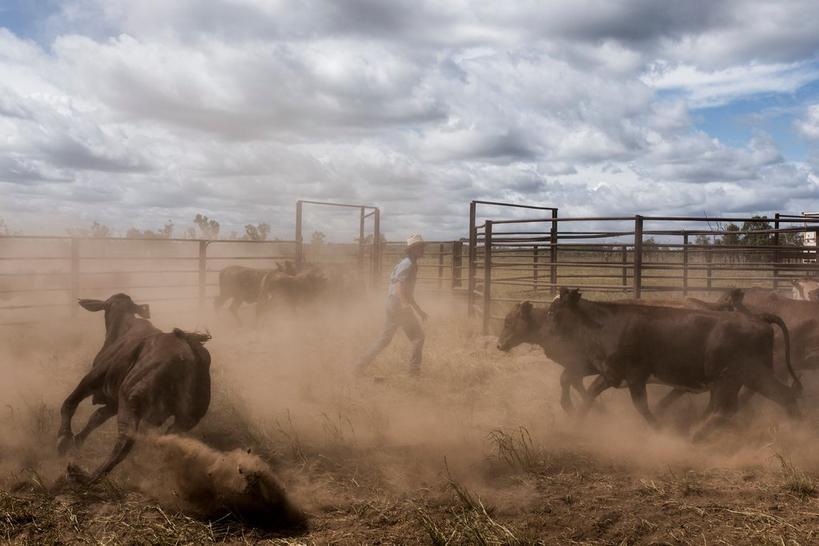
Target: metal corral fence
x=42 y=277
x=630 y=256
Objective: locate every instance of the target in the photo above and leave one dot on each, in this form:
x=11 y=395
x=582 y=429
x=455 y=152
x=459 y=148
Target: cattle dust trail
x=375 y=456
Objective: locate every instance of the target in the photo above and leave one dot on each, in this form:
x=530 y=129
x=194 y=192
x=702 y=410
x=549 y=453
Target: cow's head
x=566 y=316
x=116 y=305
x=730 y=300
x=519 y=326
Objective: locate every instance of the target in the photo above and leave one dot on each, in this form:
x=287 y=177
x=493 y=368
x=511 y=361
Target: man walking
x=401 y=309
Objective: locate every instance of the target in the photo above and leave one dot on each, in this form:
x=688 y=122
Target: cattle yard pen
x=630 y=256
x=504 y=260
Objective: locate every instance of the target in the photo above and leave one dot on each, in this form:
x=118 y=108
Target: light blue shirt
x=404 y=271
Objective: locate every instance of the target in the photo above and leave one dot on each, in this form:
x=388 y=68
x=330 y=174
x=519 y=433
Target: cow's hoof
x=64 y=443
x=77 y=475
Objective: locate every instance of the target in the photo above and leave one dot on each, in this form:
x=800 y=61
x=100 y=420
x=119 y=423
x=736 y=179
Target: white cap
x=414 y=239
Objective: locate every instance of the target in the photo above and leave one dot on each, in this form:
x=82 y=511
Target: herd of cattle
x=144 y=376
x=689 y=345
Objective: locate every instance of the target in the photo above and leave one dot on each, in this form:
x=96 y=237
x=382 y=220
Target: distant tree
x=190 y=233
x=793 y=238
x=4 y=228
x=208 y=227
x=96 y=230
x=702 y=239
x=100 y=230
x=731 y=235
x=165 y=232
x=368 y=239
x=757 y=223
x=318 y=239
x=259 y=232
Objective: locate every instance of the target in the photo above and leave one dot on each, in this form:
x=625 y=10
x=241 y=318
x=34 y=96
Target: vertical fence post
x=473 y=241
x=625 y=267
x=776 y=253
x=361 y=221
x=487 y=276
x=553 y=253
x=440 y=265
x=535 y=259
x=376 y=248
x=638 y=256
x=709 y=258
x=203 y=272
x=685 y=263
x=75 y=274
x=299 y=239
x=457 y=253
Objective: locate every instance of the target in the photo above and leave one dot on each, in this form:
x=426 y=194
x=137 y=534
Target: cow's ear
x=92 y=305
x=737 y=295
x=564 y=293
x=143 y=311
x=526 y=308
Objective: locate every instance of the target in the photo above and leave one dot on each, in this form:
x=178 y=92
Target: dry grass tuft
x=796 y=480
x=515 y=449
x=469 y=521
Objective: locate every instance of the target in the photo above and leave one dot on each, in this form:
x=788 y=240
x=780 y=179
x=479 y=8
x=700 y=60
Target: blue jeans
x=396 y=317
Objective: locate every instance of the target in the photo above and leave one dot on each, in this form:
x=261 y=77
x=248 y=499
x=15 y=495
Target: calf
x=141 y=375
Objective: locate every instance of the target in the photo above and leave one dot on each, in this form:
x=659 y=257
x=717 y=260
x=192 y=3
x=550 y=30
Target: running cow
x=687 y=349
x=143 y=376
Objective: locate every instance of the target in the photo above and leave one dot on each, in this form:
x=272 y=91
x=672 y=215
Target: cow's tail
x=770 y=318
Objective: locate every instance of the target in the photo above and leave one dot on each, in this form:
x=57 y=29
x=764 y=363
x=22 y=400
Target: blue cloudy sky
x=133 y=113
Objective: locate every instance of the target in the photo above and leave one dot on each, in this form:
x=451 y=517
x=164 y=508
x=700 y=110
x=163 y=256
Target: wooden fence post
x=376 y=269
x=75 y=274
x=709 y=257
x=625 y=267
x=553 y=253
x=361 y=220
x=535 y=259
x=471 y=270
x=776 y=253
x=487 y=276
x=685 y=263
x=457 y=258
x=638 y=256
x=203 y=273
x=440 y=265
x=299 y=238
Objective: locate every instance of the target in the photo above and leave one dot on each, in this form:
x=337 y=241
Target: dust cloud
x=283 y=387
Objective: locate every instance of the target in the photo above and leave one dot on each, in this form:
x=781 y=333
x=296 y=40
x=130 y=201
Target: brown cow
x=801 y=318
x=523 y=324
x=684 y=348
x=264 y=286
x=688 y=349
x=141 y=375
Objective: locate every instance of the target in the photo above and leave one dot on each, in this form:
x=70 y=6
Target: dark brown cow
x=684 y=348
x=687 y=349
x=141 y=375
x=296 y=289
x=263 y=287
x=801 y=318
x=523 y=324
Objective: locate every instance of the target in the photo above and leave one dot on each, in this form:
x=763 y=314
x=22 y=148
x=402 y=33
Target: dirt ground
x=475 y=451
